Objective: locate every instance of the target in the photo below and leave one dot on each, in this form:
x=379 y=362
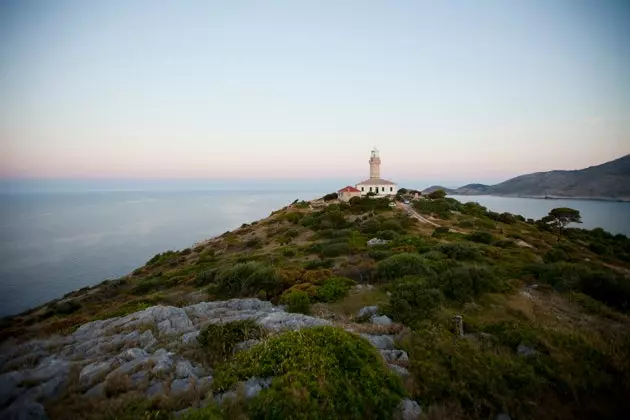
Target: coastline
x=549 y=197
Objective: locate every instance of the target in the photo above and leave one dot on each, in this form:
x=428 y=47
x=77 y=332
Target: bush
x=205 y=277
x=480 y=237
x=439 y=231
x=335 y=249
x=219 y=340
x=330 y=197
x=297 y=301
x=400 y=265
x=483 y=382
x=318 y=373
x=248 y=279
x=67 y=307
x=334 y=288
x=465 y=283
x=460 y=251
x=413 y=300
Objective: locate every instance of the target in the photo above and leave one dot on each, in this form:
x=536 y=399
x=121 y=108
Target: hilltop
x=329 y=309
x=608 y=181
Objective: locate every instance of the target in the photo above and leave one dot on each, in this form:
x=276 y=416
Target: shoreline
x=549 y=197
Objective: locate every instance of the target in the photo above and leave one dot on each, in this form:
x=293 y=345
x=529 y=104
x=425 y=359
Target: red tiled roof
x=348 y=189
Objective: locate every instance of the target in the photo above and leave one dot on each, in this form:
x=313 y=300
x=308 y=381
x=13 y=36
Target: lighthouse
x=375 y=184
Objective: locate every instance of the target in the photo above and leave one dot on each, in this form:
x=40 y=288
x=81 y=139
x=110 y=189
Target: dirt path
x=411 y=212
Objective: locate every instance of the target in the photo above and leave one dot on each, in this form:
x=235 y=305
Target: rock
x=203 y=382
x=502 y=416
x=147 y=340
x=381 y=320
x=184 y=369
x=221 y=398
x=10 y=386
x=131 y=354
x=128 y=367
x=179 y=386
x=368 y=311
x=395 y=355
x=139 y=378
x=525 y=351
x=245 y=345
x=254 y=385
x=154 y=389
x=162 y=365
x=97 y=391
x=48 y=389
x=47 y=369
x=383 y=342
x=93 y=372
x=24 y=409
x=401 y=371
x=409 y=410
x=190 y=338
x=282 y=321
x=181 y=412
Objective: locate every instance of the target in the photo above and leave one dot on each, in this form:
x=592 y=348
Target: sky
x=450 y=92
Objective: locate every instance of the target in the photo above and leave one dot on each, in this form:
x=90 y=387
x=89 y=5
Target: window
x=370 y=189
x=362 y=188
x=382 y=189
x=391 y=189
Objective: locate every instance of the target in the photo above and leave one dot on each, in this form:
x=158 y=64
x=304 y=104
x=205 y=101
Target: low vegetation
x=345 y=377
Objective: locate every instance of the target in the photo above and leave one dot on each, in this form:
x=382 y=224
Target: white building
x=375 y=183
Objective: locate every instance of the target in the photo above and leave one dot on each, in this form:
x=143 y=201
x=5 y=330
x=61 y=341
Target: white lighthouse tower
x=375 y=164
x=375 y=184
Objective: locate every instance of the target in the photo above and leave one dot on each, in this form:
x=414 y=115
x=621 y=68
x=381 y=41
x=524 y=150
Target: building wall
x=383 y=190
x=347 y=195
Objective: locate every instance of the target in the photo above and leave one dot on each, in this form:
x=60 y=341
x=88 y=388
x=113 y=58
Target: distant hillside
x=608 y=181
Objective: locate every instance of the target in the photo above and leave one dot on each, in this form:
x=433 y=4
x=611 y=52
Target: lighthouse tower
x=375 y=184
x=375 y=164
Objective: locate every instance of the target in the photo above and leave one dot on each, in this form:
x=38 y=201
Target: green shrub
x=413 y=300
x=439 y=231
x=219 y=340
x=467 y=282
x=335 y=249
x=205 y=277
x=67 y=307
x=379 y=254
x=466 y=224
x=484 y=382
x=460 y=251
x=297 y=301
x=248 y=279
x=318 y=373
x=556 y=254
x=505 y=243
x=400 y=265
x=480 y=237
x=334 y=288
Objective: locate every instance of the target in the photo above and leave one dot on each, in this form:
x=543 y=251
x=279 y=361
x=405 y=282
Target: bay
x=611 y=216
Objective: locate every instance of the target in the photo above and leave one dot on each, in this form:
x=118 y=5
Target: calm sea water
x=53 y=243
x=609 y=215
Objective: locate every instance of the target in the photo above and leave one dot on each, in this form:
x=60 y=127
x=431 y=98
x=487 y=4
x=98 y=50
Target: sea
x=54 y=242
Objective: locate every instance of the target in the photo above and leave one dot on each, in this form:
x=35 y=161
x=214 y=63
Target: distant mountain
x=608 y=181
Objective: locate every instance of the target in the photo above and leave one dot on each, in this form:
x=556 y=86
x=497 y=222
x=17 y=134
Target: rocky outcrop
x=143 y=351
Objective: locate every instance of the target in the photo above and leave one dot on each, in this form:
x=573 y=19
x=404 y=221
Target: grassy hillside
x=546 y=326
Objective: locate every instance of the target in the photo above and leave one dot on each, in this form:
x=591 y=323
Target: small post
x=459 y=326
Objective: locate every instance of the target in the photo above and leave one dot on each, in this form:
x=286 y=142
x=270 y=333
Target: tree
x=437 y=194
x=559 y=218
